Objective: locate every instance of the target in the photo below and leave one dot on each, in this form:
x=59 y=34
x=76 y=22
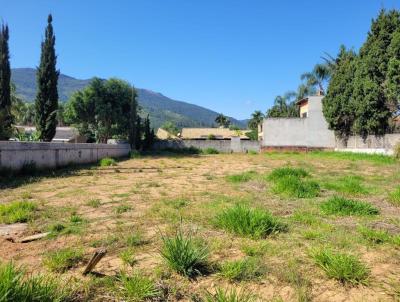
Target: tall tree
x=317 y=77
x=139 y=133
x=392 y=84
x=133 y=114
x=284 y=106
x=256 y=118
x=370 y=100
x=222 y=120
x=148 y=134
x=337 y=105
x=6 y=118
x=46 y=102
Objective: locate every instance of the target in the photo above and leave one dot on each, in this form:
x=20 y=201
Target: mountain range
x=159 y=107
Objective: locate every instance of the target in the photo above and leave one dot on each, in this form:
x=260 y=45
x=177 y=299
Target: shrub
x=184 y=254
x=242 y=177
x=16 y=285
x=394 y=196
x=63 y=259
x=350 y=184
x=137 y=287
x=210 y=151
x=243 y=270
x=246 y=221
x=283 y=172
x=291 y=186
x=342 y=267
x=17 y=211
x=107 y=161
x=232 y=295
x=211 y=137
x=343 y=206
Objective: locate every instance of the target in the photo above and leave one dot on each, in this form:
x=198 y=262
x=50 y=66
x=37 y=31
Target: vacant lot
x=265 y=227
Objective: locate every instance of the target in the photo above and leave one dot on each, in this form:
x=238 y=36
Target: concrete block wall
x=223 y=146
x=13 y=155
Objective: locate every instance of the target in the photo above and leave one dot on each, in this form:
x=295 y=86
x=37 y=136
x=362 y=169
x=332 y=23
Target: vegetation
x=222 y=120
x=342 y=267
x=107 y=161
x=379 y=236
x=241 y=177
x=17 y=211
x=184 y=254
x=284 y=106
x=342 y=206
x=6 y=118
x=351 y=185
x=209 y=151
x=16 y=285
x=394 y=196
x=243 y=270
x=170 y=127
x=63 y=259
x=46 y=103
x=283 y=172
x=245 y=221
x=136 y=287
x=232 y=295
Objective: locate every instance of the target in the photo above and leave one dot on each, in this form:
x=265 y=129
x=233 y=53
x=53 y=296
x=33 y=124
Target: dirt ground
x=154 y=196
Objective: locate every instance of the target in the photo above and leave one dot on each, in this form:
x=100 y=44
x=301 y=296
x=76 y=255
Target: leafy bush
x=63 y=259
x=350 y=184
x=241 y=177
x=16 y=285
x=17 y=211
x=342 y=206
x=342 y=267
x=184 y=254
x=292 y=186
x=137 y=287
x=243 y=270
x=211 y=137
x=210 y=151
x=232 y=295
x=246 y=221
x=107 y=161
x=283 y=172
x=394 y=196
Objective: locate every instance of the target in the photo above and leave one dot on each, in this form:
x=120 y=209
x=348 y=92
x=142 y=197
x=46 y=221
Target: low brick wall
x=14 y=155
x=223 y=146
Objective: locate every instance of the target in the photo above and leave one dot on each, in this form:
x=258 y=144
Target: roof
x=218 y=133
x=302 y=101
x=63 y=134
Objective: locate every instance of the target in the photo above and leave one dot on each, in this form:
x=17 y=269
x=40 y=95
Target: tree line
x=104 y=109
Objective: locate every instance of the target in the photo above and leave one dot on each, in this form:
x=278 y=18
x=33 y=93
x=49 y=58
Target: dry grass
x=128 y=210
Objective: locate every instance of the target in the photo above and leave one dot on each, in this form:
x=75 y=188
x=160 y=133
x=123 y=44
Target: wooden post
x=98 y=254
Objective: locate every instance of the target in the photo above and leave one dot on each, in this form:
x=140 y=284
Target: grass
x=16 y=285
x=135 y=239
x=342 y=267
x=107 y=161
x=241 y=177
x=283 y=172
x=347 y=207
x=178 y=203
x=374 y=158
x=249 y=222
x=94 y=203
x=136 y=287
x=128 y=257
x=184 y=254
x=231 y=295
x=246 y=269
x=255 y=249
x=379 y=236
x=122 y=209
x=209 y=151
x=351 y=185
x=394 y=197
x=63 y=259
x=17 y=211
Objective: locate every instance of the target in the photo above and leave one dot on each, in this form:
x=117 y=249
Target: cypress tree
x=370 y=100
x=6 y=119
x=337 y=106
x=148 y=139
x=392 y=84
x=46 y=103
x=139 y=133
x=133 y=131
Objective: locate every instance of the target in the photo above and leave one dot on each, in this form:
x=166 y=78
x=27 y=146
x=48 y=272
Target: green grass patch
x=351 y=185
x=379 y=236
x=342 y=267
x=306 y=218
x=246 y=269
x=283 y=172
x=209 y=151
x=122 y=209
x=394 y=197
x=63 y=259
x=16 y=285
x=135 y=239
x=17 y=211
x=94 y=203
x=107 y=161
x=184 y=254
x=375 y=158
x=136 y=287
x=255 y=249
x=347 y=207
x=294 y=187
x=241 y=177
x=232 y=295
x=128 y=257
x=177 y=204
x=249 y=222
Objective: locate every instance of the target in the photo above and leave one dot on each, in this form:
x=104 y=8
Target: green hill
x=159 y=107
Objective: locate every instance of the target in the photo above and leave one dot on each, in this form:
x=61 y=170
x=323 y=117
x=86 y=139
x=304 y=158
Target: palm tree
x=317 y=77
x=256 y=118
x=222 y=120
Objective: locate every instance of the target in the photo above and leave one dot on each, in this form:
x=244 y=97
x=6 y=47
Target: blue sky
x=227 y=55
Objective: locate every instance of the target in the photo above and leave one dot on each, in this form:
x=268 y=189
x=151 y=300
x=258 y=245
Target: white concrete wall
x=223 y=146
x=13 y=155
x=311 y=131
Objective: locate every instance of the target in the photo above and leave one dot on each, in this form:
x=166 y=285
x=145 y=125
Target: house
x=212 y=133
x=63 y=134
x=164 y=134
x=308 y=131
